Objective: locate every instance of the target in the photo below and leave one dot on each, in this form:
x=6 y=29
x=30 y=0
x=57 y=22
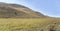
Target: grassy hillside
x=27 y=24
x=18 y=11
x=14 y=17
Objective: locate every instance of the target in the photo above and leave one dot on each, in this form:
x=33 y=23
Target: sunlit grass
x=25 y=24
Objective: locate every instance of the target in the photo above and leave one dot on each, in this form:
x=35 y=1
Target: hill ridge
x=18 y=11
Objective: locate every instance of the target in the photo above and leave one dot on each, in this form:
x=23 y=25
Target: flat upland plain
x=26 y=24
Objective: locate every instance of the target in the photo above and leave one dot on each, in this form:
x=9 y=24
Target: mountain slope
x=17 y=11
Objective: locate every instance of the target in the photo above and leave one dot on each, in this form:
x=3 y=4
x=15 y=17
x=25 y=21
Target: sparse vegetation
x=52 y=27
x=14 y=17
x=17 y=11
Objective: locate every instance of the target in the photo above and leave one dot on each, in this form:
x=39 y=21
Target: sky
x=46 y=7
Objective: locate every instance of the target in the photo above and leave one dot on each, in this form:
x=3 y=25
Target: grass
x=26 y=24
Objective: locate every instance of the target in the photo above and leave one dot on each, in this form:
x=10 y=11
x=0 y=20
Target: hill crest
x=18 y=11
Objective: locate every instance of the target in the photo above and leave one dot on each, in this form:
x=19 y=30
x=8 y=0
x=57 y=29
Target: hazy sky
x=47 y=7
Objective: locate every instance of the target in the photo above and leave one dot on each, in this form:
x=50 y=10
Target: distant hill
x=18 y=11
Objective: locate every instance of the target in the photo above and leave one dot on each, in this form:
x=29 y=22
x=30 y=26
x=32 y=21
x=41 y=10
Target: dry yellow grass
x=25 y=24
